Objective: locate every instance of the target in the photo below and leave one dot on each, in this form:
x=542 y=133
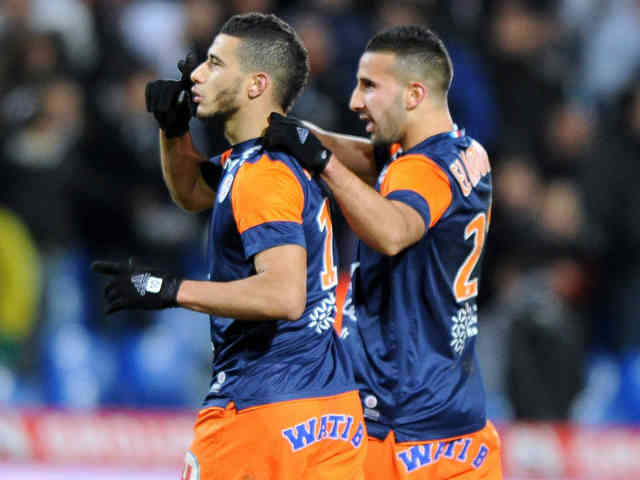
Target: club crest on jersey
x=225 y=186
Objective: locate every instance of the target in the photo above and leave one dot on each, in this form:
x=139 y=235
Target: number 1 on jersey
x=329 y=274
x=464 y=287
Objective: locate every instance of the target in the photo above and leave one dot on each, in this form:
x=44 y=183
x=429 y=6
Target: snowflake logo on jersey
x=349 y=310
x=323 y=316
x=464 y=326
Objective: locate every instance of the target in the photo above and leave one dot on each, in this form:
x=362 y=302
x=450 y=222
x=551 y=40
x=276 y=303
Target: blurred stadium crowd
x=551 y=88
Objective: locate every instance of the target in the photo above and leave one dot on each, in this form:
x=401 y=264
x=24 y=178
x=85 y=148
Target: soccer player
x=411 y=314
x=282 y=402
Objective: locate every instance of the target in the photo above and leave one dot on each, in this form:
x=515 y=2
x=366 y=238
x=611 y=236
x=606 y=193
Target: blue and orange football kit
x=282 y=402
x=410 y=320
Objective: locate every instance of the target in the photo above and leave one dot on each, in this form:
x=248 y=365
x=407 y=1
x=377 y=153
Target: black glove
x=170 y=100
x=134 y=287
x=288 y=133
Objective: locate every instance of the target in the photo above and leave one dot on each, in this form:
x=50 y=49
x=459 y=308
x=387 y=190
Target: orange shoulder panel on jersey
x=266 y=191
x=225 y=155
x=423 y=176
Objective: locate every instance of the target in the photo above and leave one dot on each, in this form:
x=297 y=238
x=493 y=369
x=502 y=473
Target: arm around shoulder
x=355 y=153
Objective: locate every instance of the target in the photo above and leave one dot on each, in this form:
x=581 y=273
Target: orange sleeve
x=423 y=176
x=266 y=191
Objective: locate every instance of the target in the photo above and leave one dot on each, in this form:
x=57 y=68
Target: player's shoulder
x=268 y=168
x=285 y=160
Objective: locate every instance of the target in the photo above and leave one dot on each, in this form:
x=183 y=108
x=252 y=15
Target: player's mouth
x=370 y=125
x=195 y=96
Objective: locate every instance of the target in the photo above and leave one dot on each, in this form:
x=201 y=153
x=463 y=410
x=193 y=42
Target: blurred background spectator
x=552 y=89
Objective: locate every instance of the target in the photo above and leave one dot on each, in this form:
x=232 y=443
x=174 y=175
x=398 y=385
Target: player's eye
x=367 y=83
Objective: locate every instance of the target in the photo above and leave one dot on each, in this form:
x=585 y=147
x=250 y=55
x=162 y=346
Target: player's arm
x=293 y=135
x=276 y=292
x=181 y=169
x=387 y=226
x=267 y=202
x=356 y=153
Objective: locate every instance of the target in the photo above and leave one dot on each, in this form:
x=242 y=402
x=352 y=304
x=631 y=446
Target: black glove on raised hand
x=288 y=133
x=135 y=287
x=170 y=100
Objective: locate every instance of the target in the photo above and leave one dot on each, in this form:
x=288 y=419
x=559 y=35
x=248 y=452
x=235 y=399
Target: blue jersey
x=411 y=319
x=265 y=199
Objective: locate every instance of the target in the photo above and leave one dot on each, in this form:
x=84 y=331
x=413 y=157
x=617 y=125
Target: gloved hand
x=135 y=287
x=288 y=133
x=170 y=100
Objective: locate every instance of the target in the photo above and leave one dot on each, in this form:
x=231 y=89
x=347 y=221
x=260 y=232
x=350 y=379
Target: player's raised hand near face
x=131 y=286
x=170 y=100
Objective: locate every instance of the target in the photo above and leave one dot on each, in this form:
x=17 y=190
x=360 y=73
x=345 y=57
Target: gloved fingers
x=182 y=96
x=169 y=95
x=187 y=65
x=276 y=119
x=160 y=95
x=115 y=306
x=111 y=292
x=148 y=96
x=108 y=268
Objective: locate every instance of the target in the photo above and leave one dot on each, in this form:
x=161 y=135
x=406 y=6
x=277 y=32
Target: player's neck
x=433 y=122
x=248 y=123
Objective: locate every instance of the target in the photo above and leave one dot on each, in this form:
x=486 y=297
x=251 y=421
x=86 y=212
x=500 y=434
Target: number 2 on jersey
x=329 y=273
x=465 y=287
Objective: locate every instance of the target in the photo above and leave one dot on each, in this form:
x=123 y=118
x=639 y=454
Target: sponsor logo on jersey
x=420 y=456
x=328 y=427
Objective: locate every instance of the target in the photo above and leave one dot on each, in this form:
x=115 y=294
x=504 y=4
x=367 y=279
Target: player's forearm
x=181 y=171
x=356 y=153
x=256 y=298
x=384 y=225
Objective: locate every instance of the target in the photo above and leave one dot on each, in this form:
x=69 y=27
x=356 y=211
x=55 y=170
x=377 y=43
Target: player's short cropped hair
x=272 y=45
x=419 y=50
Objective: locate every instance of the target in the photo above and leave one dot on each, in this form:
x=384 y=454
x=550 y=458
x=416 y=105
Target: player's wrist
x=330 y=167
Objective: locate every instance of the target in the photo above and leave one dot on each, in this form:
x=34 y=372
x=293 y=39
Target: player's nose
x=196 y=74
x=355 y=103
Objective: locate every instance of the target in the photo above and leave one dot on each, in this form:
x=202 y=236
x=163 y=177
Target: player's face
x=218 y=80
x=379 y=98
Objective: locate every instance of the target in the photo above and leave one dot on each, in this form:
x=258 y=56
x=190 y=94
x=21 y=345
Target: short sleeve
x=421 y=183
x=267 y=201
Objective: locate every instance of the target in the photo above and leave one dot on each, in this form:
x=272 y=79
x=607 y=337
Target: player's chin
x=200 y=110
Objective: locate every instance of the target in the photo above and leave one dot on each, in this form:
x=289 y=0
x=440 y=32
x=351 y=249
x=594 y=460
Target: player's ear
x=258 y=84
x=415 y=94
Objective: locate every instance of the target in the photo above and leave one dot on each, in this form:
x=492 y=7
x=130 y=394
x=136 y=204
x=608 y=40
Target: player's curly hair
x=272 y=45
x=419 y=49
